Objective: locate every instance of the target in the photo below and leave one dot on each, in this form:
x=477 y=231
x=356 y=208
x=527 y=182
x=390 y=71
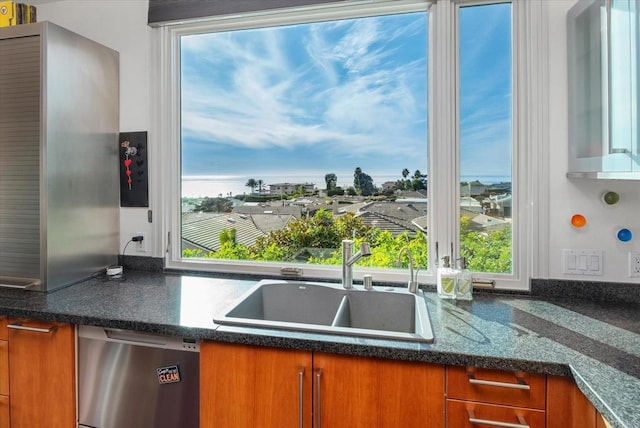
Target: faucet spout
x=349 y=259
x=413 y=280
x=365 y=251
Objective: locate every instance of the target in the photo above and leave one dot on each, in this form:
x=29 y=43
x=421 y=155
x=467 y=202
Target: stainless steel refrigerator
x=59 y=188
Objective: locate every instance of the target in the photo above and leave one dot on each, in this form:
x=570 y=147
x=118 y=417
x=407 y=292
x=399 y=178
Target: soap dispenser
x=446 y=280
x=465 y=281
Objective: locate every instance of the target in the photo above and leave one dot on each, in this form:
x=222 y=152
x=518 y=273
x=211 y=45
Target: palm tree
x=260 y=183
x=406 y=184
x=331 y=180
x=251 y=183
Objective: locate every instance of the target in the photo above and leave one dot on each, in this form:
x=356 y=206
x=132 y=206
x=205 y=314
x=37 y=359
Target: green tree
x=357 y=173
x=252 y=183
x=331 y=180
x=260 y=183
x=419 y=180
x=228 y=236
x=320 y=231
x=208 y=204
x=405 y=183
x=486 y=252
x=363 y=183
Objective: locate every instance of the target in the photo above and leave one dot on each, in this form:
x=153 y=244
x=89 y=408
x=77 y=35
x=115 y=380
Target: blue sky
x=329 y=97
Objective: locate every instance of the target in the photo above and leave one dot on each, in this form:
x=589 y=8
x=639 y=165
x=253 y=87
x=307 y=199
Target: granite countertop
x=597 y=343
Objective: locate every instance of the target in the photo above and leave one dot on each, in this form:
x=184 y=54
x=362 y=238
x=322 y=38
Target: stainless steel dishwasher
x=136 y=380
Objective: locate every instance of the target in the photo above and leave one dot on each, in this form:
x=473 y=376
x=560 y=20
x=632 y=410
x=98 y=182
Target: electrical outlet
x=141 y=246
x=634 y=265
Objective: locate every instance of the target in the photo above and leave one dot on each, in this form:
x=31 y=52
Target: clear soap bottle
x=446 y=280
x=465 y=281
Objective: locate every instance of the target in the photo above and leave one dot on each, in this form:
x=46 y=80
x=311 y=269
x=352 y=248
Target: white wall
x=121 y=25
x=568 y=197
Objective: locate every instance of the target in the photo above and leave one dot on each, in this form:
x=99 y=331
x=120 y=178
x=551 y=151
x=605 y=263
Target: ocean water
x=225 y=185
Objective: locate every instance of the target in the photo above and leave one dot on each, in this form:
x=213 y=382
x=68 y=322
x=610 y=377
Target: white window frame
x=529 y=116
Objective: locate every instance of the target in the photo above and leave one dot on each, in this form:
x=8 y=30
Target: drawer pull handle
x=19 y=326
x=473 y=420
x=520 y=385
x=300 y=397
x=318 y=399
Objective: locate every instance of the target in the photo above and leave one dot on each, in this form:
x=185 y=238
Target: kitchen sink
x=383 y=313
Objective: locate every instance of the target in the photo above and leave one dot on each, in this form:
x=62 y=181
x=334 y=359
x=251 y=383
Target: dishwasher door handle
x=134 y=338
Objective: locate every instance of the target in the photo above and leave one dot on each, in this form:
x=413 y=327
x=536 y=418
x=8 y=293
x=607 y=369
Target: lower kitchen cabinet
x=504 y=398
x=462 y=414
x=567 y=407
x=4 y=412
x=4 y=374
x=369 y=392
x=486 y=397
x=42 y=374
x=248 y=386
x=601 y=422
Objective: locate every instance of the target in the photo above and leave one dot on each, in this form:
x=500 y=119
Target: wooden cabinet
x=463 y=414
x=369 y=392
x=567 y=407
x=601 y=422
x=491 y=397
x=248 y=386
x=4 y=374
x=42 y=375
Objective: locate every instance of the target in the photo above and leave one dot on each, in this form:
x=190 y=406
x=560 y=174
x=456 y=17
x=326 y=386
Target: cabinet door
x=567 y=407
x=249 y=386
x=368 y=393
x=4 y=412
x=42 y=374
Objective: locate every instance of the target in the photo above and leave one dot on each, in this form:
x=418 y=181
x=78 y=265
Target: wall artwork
x=134 y=174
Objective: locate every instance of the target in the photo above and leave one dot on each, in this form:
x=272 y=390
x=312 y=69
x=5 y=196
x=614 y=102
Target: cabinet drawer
x=496 y=386
x=461 y=414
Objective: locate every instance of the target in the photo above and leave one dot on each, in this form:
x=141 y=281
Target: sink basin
x=381 y=313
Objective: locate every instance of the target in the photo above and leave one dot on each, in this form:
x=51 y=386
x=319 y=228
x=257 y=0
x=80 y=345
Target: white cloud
x=269 y=99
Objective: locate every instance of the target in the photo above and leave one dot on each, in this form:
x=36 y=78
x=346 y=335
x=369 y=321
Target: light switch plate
x=582 y=262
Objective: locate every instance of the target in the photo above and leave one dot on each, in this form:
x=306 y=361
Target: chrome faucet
x=348 y=260
x=413 y=281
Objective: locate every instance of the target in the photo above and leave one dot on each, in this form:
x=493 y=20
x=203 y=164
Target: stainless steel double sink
x=382 y=313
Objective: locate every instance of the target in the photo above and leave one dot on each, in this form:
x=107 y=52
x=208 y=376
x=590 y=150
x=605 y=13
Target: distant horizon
x=201 y=186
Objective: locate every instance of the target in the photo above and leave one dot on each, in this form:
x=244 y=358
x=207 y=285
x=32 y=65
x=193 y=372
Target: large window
x=377 y=122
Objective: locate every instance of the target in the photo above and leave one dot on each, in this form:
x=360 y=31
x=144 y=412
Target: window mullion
x=443 y=176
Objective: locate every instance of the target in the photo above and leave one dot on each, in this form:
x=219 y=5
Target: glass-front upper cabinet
x=603 y=46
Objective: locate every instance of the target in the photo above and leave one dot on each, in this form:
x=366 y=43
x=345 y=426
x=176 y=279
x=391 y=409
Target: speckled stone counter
x=597 y=343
